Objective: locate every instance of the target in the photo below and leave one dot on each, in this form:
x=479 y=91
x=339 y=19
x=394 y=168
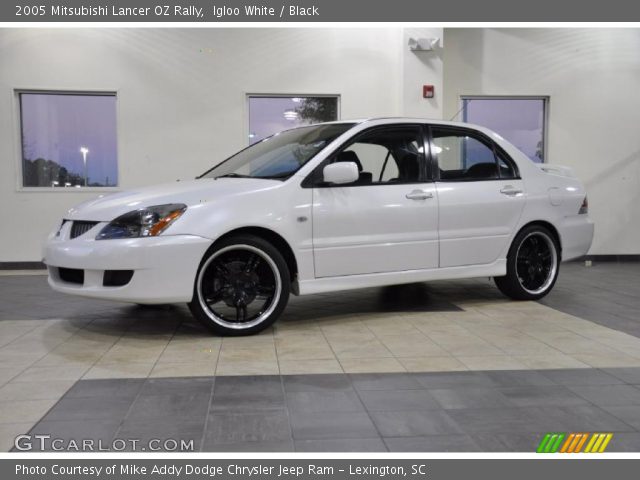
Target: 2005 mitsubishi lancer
x=328 y=207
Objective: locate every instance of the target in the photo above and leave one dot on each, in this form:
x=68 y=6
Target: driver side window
x=389 y=155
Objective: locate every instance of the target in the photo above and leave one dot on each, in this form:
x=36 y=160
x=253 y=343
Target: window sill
x=68 y=189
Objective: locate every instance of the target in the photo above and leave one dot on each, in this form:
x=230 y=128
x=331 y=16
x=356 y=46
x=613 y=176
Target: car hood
x=192 y=192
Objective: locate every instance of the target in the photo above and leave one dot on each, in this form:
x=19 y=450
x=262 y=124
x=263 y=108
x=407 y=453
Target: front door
x=387 y=220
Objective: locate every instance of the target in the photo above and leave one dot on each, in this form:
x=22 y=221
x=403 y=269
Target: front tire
x=533 y=263
x=242 y=286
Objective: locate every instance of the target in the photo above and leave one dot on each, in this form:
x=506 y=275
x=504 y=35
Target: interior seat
x=408 y=167
x=482 y=170
x=351 y=156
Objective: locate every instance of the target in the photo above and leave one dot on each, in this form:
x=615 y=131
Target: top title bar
x=319 y=11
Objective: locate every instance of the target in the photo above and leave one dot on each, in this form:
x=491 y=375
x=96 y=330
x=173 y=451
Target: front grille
x=71 y=275
x=116 y=278
x=80 y=228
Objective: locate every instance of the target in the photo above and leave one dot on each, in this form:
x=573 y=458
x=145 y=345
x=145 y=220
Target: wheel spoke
x=215 y=297
x=265 y=289
x=221 y=269
x=252 y=264
x=241 y=312
x=535 y=245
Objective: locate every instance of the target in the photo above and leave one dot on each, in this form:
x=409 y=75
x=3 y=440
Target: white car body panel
x=341 y=237
x=476 y=221
x=373 y=229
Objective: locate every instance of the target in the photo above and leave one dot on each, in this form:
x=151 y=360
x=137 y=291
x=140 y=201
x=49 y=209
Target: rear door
x=480 y=196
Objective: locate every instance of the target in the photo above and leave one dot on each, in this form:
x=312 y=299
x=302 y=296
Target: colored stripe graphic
x=543 y=443
x=556 y=444
x=590 y=444
x=550 y=443
x=574 y=442
x=573 y=448
x=605 y=443
x=598 y=443
x=581 y=442
x=567 y=443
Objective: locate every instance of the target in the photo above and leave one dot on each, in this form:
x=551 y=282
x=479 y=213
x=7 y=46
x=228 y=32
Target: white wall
x=181 y=97
x=593 y=79
x=418 y=69
x=181 y=109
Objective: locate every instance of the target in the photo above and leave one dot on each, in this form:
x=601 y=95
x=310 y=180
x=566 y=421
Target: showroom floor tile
x=447 y=411
x=451 y=349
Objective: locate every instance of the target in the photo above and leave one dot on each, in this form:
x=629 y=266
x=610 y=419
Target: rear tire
x=533 y=263
x=242 y=286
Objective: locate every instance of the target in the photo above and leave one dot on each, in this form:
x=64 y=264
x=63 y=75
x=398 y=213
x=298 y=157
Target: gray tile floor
x=68 y=363
x=608 y=293
x=440 y=411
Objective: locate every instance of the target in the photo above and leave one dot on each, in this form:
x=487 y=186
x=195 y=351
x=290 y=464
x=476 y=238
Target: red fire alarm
x=428 y=91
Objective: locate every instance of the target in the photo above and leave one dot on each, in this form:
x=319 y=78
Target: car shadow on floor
x=86 y=317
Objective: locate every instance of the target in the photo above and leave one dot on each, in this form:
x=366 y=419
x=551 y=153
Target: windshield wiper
x=279 y=176
x=233 y=175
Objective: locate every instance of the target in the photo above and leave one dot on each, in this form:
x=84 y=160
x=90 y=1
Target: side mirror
x=341 y=172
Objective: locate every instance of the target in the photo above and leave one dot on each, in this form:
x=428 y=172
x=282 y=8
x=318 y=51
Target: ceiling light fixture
x=290 y=115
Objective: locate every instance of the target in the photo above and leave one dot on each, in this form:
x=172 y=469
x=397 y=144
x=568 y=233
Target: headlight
x=146 y=222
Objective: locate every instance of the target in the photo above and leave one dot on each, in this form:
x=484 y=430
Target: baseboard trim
x=609 y=258
x=22 y=266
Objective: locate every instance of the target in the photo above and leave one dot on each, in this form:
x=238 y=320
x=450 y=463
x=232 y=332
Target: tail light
x=584 y=209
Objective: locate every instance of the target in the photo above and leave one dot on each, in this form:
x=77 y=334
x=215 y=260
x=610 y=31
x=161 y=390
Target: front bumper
x=164 y=267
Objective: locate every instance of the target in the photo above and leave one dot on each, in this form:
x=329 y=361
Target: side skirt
x=351 y=282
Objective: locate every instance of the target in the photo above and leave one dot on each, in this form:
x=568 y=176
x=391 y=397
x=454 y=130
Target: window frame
x=312 y=180
x=498 y=152
x=18 y=153
x=545 y=113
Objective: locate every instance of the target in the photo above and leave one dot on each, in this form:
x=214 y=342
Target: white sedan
x=328 y=207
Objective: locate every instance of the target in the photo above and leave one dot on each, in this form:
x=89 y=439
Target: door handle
x=510 y=191
x=419 y=195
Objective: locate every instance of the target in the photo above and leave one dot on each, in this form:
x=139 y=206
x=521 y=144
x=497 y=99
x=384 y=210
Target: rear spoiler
x=559 y=170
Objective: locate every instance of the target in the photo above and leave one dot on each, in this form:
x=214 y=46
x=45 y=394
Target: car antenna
x=464 y=105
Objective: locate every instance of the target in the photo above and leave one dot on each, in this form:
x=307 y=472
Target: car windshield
x=281 y=155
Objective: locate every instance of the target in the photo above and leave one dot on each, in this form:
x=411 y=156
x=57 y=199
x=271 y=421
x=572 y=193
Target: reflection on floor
x=48 y=342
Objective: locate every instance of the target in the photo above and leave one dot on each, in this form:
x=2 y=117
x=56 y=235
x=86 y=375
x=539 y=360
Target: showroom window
x=68 y=140
x=269 y=114
x=462 y=157
x=520 y=120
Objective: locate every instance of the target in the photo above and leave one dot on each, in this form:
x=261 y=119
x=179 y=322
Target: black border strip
x=22 y=266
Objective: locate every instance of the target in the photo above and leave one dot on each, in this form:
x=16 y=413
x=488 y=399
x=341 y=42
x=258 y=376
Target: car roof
x=431 y=121
x=392 y=120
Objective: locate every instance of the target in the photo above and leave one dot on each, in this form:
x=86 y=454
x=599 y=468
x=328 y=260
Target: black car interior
x=479 y=160
x=400 y=150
